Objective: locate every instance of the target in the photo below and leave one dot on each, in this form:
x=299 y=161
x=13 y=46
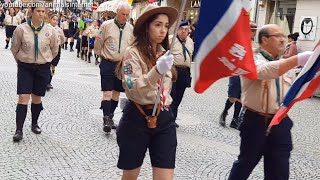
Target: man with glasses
x=261 y=99
x=182 y=51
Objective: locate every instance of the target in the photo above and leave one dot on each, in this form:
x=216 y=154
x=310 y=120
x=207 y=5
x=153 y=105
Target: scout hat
x=151 y=10
x=184 y=23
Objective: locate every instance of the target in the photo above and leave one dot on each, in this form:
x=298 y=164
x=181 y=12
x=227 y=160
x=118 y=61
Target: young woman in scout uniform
x=54 y=23
x=142 y=69
x=91 y=33
x=34 y=45
x=65 y=28
x=84 y=39
x=11 y=21
x=73 y=28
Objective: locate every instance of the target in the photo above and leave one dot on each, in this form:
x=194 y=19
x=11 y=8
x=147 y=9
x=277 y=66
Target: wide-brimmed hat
x=151 y=10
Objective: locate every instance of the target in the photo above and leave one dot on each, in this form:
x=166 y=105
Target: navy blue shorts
x=234 y=87
x=33 y=78
x=134 y=138
x=109 y=80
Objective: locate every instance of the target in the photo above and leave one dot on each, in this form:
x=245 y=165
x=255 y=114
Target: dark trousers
x=275 y=147
x=178 y=88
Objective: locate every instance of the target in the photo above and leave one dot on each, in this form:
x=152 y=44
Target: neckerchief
x=121 y=27
x=269 y=58
x=36 y=39
x=184 y=48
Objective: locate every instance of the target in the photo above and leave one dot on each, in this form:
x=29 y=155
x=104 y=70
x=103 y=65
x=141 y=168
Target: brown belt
x=151 y=120
x=260 y=113
x=184 y=67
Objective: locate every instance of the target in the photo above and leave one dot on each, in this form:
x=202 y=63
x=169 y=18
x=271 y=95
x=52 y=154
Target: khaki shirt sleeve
x=99 y=41
x=140 y=83
x=267 y=70
x=54 y=45
x=61 y=35
x=16 y=41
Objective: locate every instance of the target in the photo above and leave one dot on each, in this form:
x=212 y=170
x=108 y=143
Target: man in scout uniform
x=261 y=99
x=182 y=51
x=34 y=45
x=253 y=28
x=110 y=44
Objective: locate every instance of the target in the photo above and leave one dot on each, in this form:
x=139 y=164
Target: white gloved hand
x=304 y=57
x=164 y=63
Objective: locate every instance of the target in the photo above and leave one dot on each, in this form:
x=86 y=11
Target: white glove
x=304 y=57
x=164 y=63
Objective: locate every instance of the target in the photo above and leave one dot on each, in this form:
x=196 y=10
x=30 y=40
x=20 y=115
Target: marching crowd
x=134 y=58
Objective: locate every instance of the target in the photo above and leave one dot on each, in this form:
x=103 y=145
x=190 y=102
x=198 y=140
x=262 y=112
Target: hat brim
x=171 y=12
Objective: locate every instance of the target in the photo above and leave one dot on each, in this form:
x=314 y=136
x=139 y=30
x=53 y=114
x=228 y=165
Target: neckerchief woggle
x=121 y=27
x=36 y=38
x=269 y=58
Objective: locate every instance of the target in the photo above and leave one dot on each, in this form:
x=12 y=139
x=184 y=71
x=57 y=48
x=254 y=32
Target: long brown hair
x=142 y=43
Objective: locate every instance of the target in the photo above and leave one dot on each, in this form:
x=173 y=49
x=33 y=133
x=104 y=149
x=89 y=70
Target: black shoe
x=36 y=129
x=78 y=55
x=71 y=50
x=6 y=46
x=66 y=48
x=50 y=86
x=18 y=136
x=177 y=125
x=234 y=123
x=108 y=124
x=222 y=119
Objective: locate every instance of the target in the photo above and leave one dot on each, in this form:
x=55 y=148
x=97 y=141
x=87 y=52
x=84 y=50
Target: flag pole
x=183 y=4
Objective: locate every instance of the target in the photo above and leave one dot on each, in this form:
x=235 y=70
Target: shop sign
x=195 y=4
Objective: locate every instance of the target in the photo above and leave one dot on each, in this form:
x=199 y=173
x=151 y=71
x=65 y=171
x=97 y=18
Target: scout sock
x=7 y=42
x=35 y=112
x=89 y=57
x=227 y=106
x=237 y=108
x=21 y=113
x=65 y=45
x=71 y=45
x=105 y=106
x=114 y=105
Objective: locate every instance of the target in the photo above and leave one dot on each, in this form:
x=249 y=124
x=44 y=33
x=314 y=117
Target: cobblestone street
x=73 y=145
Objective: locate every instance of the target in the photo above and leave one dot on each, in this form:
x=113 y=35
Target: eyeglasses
x=278 y=36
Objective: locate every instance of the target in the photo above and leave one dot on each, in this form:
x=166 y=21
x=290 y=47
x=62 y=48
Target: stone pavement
x=73 y=145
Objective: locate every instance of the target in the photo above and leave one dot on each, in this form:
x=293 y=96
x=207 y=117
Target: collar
x=267 y=55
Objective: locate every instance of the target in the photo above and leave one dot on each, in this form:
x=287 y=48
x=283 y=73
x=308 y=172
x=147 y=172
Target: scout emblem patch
x=127 y=69
x=47 y=34
x=129 y=82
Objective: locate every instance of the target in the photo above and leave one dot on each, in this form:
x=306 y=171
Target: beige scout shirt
x=92 y=31
x=23 y=44
x=255 y=92
x=60 y=34
x=65 y=25
x=177 y=52
x=106 y=44
x=12 y=20
x=140 y=84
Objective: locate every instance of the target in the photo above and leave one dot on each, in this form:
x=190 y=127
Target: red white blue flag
x=303 y=87
x=223 y=42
